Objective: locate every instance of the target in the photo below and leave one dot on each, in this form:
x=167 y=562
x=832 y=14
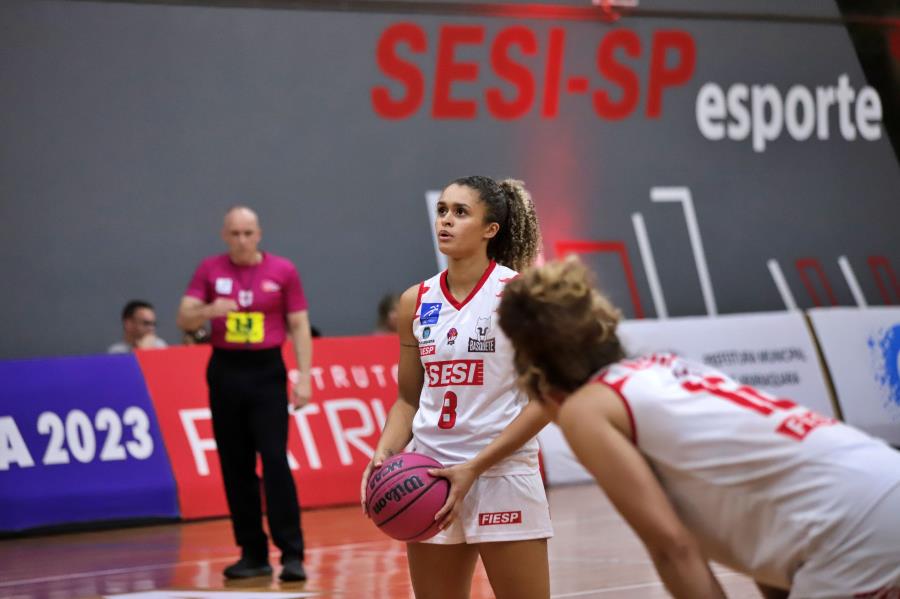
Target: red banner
x=330 y=440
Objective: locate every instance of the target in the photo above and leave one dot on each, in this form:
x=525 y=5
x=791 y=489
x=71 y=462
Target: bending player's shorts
x=501 y=508
x=863 y=563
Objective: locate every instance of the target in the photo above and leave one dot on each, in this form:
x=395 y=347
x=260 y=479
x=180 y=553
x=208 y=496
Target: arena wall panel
x=330 y=440
x=862 y=351
x=80 y=442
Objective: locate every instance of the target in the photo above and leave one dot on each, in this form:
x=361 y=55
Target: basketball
x=402 y=498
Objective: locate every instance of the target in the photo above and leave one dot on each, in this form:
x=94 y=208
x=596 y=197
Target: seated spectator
x=138 y=329
x=387 y=314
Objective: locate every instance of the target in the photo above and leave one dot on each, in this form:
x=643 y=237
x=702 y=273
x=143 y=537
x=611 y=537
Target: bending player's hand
x=461 y=479
x=377 y=460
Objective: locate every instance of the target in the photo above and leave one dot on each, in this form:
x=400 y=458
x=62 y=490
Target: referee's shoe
x=247 y=567
x=292 y=570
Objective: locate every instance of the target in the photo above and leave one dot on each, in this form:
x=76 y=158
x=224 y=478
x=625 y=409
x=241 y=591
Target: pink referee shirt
x=265 y=293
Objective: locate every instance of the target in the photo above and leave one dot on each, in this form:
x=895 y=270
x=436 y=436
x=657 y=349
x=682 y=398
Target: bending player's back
x=747 y=470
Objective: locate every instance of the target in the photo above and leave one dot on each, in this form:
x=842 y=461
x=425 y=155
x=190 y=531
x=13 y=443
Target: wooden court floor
x=593 y=554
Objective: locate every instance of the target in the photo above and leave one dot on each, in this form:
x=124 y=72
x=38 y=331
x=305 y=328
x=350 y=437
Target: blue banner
x=79 y=442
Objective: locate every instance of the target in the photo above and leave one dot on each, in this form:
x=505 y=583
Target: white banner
x=862 y=352
x=772 y=351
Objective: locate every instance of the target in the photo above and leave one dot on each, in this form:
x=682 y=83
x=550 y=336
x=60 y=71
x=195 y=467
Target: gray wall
x=128 y=129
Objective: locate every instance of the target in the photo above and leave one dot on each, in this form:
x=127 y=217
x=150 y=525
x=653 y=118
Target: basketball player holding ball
x=459 y=404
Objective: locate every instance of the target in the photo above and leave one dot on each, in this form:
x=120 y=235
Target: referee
x=254 y=300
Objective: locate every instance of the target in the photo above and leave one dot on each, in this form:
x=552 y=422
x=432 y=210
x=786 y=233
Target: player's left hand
x=461 y=479
x=301 y=393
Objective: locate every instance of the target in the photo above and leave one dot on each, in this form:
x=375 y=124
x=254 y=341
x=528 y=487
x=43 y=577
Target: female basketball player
x=701 y=466
x=460 y=405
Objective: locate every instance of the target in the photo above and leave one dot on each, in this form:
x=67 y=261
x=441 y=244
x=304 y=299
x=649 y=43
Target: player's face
x=459 y=222
x=242 y=234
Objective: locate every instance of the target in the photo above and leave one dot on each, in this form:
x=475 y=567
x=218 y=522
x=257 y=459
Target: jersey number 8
x=447 y=419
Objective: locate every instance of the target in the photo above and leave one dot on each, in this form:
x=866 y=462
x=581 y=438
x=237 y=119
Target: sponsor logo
x=385 y=469
x=885 y=349
x=492 y=518
x=481 y=343
x=270 y=286
x=427 y=83
x=761 y=113
x=430 y=313
x=223 y=285
x=455 y=372
x=398 y=492
x=427 y=350
x=451 y=336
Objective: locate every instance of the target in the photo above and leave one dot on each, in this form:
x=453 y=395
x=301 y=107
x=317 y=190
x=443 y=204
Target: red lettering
x=448 y=71
x=513 y=72
x=661 y=76
x=553 y=73
x=455 y=372
x=447 y=417
x=405 y=72
x=742 y=395
x=799 y=426
x=492 y=518
x=618 y=73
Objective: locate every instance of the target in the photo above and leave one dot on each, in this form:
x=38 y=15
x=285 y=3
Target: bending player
x=460 y=405
x=701 y=466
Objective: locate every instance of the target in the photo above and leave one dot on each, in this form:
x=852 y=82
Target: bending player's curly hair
x=518 y=242
x=562 y=328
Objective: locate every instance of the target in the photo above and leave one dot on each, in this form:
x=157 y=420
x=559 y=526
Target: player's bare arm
x=631 y=486
x=397 y=431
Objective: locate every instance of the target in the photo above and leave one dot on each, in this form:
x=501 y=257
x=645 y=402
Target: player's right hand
x=222 y=306
x=377 y=460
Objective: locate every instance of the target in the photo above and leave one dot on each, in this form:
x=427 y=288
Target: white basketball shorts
x=501 y=508
x=864 y=562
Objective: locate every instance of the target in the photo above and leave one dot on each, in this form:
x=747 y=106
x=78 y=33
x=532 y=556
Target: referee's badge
x=245 y=298
x=223 y=285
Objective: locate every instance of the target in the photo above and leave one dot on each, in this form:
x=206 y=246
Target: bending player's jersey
x=755 y=477
x=469 y=394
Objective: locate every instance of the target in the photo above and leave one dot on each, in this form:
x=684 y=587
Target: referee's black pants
x=248 y=400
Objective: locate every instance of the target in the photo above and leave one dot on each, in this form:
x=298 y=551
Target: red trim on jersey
x=449 y=296
x=422 y=290
x=617 y=387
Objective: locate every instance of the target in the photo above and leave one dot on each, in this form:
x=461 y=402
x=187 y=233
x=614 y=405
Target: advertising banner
x=79 y=442
x=772 y=351
x=862 y=351
x=330 y=440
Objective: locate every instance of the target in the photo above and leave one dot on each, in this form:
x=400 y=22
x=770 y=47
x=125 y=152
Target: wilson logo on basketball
x=382 y=472
x=398 y=492
x=492 y=518
x=455 y=372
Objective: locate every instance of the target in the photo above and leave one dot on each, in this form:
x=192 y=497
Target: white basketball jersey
x=755 y=477
x=469 y=394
